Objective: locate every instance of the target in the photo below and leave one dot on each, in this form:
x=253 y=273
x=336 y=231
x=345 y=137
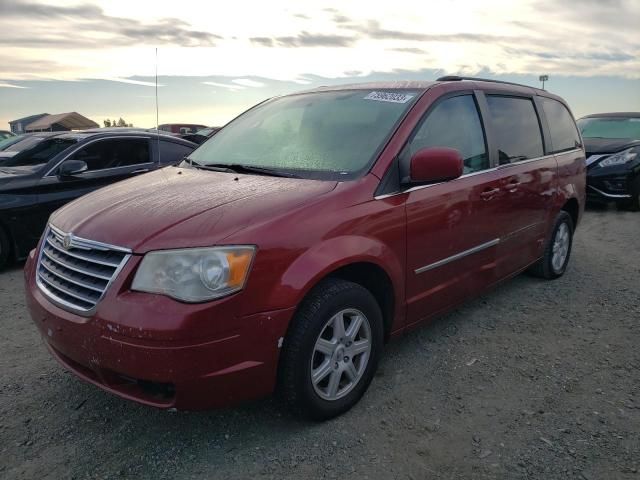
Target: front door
x=453 y=228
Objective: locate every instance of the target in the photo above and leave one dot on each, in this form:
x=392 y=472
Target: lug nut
x=346 y=359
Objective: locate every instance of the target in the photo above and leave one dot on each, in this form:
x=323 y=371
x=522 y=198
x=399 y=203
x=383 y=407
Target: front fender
x=324 y=258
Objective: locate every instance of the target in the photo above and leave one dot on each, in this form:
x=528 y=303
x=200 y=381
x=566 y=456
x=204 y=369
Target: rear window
x=564 y=133
x=516 y=127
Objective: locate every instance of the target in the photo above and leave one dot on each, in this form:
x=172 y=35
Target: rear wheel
x=557 y=250
x=332 y=350
x=4 y=248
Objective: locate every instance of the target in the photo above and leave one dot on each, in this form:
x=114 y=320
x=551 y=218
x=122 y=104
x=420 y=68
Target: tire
x=5 y=247
x=547 y=267
x=632 y=204
x=330 y=303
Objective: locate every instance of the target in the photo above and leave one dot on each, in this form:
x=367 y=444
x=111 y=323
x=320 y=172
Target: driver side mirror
x=70 y=168
x=435 y=164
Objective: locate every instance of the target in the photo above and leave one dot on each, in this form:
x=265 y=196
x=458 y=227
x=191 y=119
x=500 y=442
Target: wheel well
x=572 y=208
x=375 y=279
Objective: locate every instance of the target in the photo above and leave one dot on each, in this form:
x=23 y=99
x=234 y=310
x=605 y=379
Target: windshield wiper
x=239 y=168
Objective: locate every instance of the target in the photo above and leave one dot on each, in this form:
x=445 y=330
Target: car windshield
x=40 y=153
x=332 y=135
x=610 y=127
x=7 y=142
x=22 y=143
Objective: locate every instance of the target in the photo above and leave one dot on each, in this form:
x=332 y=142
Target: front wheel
x=332 y=350
x=557 y=250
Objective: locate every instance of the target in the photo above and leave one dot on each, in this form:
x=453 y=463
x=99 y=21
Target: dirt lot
x=534 y=380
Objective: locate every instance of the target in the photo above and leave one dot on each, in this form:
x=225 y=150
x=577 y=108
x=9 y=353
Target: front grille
x=74 y=272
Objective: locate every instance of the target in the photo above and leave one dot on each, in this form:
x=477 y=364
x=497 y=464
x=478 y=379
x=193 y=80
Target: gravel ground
x=534 y=380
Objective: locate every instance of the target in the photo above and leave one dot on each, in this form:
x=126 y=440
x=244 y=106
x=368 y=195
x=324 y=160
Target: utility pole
x=543 y=78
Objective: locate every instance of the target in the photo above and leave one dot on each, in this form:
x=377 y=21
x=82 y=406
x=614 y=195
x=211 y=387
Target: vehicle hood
x=601 y=146
x=182 y=207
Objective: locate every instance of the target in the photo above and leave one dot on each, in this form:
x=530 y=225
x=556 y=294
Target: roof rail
x=456 y=78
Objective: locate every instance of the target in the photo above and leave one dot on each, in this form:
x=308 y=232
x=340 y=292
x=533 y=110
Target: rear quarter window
x=564 y=133
x=516 y=128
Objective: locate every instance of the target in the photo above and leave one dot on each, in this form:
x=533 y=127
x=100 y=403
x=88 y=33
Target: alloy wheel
x=341 y=354
x=560 y=250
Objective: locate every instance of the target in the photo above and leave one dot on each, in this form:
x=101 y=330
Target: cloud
x=87 y=25
x=10 y=85
x=605 y=15
x=338 y=18
x=306 y=39
x=246 y=82
x=417 y=51
x=133 y=82
x=229 y=86
x=374 y=30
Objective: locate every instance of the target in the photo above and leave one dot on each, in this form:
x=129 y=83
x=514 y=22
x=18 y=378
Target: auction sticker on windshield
x=389 y=97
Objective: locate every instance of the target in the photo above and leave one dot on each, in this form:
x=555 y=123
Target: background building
x=18 y=126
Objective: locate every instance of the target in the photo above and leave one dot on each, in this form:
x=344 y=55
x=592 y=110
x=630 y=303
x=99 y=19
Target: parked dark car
x=289 y=247
x=13 y=145
x=612 y=143
x=61 y=167
x=8 y=141
x=182 y=128
x=201 y=136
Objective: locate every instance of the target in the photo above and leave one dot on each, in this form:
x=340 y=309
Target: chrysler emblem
x=67 y=240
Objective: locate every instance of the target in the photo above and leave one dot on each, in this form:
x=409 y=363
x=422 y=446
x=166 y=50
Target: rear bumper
x=237 y=365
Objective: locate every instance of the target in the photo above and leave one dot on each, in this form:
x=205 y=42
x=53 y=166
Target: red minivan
x=285 y=251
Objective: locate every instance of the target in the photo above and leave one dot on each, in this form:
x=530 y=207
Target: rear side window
x=173 y=152
x=454 y=123
x=114 y=153
x=564 y=133
x=516 y=128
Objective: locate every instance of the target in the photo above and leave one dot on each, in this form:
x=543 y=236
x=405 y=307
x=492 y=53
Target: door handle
x=141 y=170
x=513 y=185
x=489 y=194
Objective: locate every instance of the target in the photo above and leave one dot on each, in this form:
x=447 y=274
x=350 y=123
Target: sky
x=215 y=59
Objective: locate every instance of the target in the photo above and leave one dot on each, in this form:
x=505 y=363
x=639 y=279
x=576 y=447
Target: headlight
x=194 y=274
x=619 y=158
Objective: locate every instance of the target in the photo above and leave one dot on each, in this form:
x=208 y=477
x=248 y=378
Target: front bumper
x=164 y=368
x=610 y=183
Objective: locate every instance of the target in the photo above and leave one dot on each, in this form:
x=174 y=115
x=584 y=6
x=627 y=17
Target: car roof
x=614 y=115
x=423 y=85
x=120 y=132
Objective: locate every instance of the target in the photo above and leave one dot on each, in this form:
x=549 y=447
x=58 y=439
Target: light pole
x=543 y=78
